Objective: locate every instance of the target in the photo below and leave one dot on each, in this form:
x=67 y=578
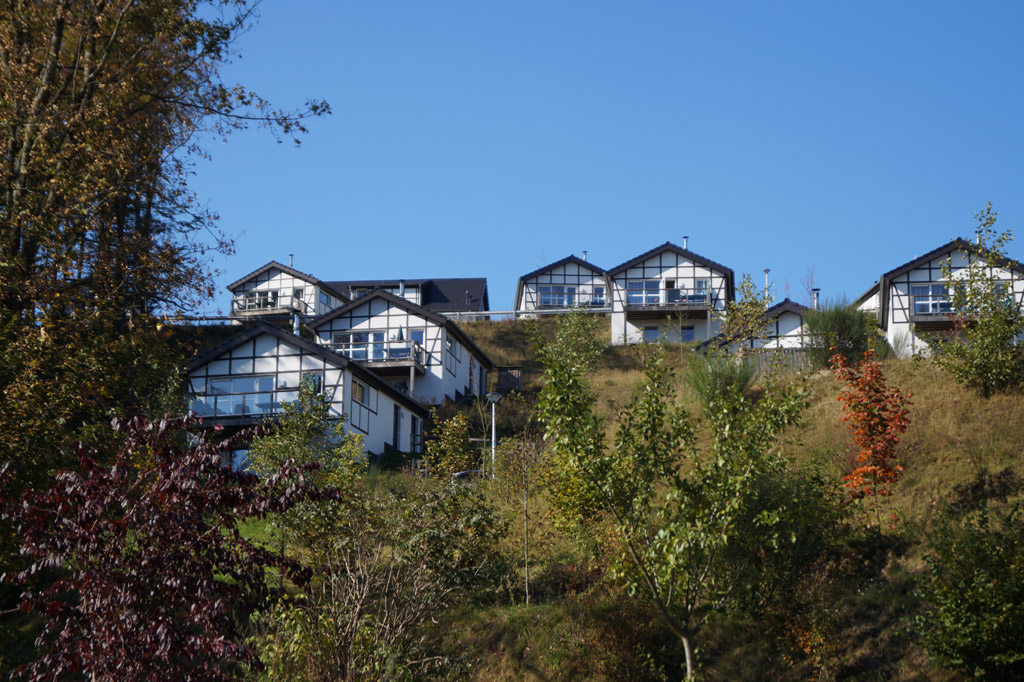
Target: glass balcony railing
x=380 y=351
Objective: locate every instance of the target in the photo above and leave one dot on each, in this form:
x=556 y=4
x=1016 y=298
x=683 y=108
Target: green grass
x=959 y=450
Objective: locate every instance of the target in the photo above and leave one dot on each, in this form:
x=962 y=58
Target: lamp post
x=494 y=397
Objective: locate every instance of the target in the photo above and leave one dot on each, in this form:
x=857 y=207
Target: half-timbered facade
x=280 y=291
x=248 y=378
x=418 y=351
x=784 y=330
x=564 y=284
x=914 y=300
x=668 y=293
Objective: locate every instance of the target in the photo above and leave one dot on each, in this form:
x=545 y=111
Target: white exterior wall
x=447 y=371
x=900 y=331
x=663 y=267
x=279 y=286
x=589 y=288
x=255 y=379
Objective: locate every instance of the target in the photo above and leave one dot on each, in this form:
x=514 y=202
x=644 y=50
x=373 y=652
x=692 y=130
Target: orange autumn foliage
x=878 y=417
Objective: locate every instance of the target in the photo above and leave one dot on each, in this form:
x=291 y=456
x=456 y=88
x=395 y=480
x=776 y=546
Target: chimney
x=766 y=271
x=814 y=298
x=295 y=324
x=290 y=257
x=584 y=255
x=686 y=242
x=401 y=288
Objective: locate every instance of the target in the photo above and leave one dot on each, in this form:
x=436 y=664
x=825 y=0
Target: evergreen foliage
x=838 y=327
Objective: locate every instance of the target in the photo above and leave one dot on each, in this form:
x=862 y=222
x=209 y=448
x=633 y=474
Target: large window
x=597 y=298
x=360 y=345
x=237 y=396
x=557 y=295
x=643 y=292
x=931 y=299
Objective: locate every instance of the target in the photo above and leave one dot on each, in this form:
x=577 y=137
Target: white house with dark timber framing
x=913 y=300
x=416 y=350
x=667 y=293
x=279 y=291
x=564 y=284
x=784 y=330
x=249 y=377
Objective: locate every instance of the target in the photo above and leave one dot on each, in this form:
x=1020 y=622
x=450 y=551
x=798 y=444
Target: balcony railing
x=668 y=297
x=555 y=300
x=381 y=351
x=268 y=301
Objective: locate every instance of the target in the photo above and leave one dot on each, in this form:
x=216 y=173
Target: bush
x=974 y=591
x=837 y=327
x=716 y=377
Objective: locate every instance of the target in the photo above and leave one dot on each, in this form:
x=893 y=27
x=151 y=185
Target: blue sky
x=490 y=138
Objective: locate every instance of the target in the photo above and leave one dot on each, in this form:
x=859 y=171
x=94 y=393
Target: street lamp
x=494 y=397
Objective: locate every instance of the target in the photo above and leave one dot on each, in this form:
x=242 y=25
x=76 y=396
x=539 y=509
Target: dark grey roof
x=785 y=306
x=291 y=271
x=436 y=318
x=446 y=295
x=957 y=244
x=327 y=354
x=568 y=259
x=696 y=258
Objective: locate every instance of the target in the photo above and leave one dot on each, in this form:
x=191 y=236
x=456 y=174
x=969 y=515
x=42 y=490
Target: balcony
x=657 y=303
x=385 y=357
x=266 y=303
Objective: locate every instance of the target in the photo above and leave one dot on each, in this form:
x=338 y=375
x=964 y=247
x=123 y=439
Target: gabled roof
x=568 y=259
x=785 y=306
x=872 y=290
x=291 y=271
x=958 y=244
x=551 y=266
x=696 y=258
x=439 y=320
x=330 y=356
x=446 y=295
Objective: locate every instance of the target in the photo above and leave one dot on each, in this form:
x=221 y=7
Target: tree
x=389 y=571
x=985 y=351
x=689 y=530
x=878 y=417
x=974 y=595
x=743 y=322
x=449 y=451
x=103 y=103
x=152 y=568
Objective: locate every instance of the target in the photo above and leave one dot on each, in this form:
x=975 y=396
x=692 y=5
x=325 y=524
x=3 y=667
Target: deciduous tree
x=153 y=570
x=691 y=530
x=878 y=417
x=985 y=351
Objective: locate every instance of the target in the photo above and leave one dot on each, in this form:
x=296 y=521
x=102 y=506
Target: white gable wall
x=567 y=285
x=663 y=269
x=274 y=289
